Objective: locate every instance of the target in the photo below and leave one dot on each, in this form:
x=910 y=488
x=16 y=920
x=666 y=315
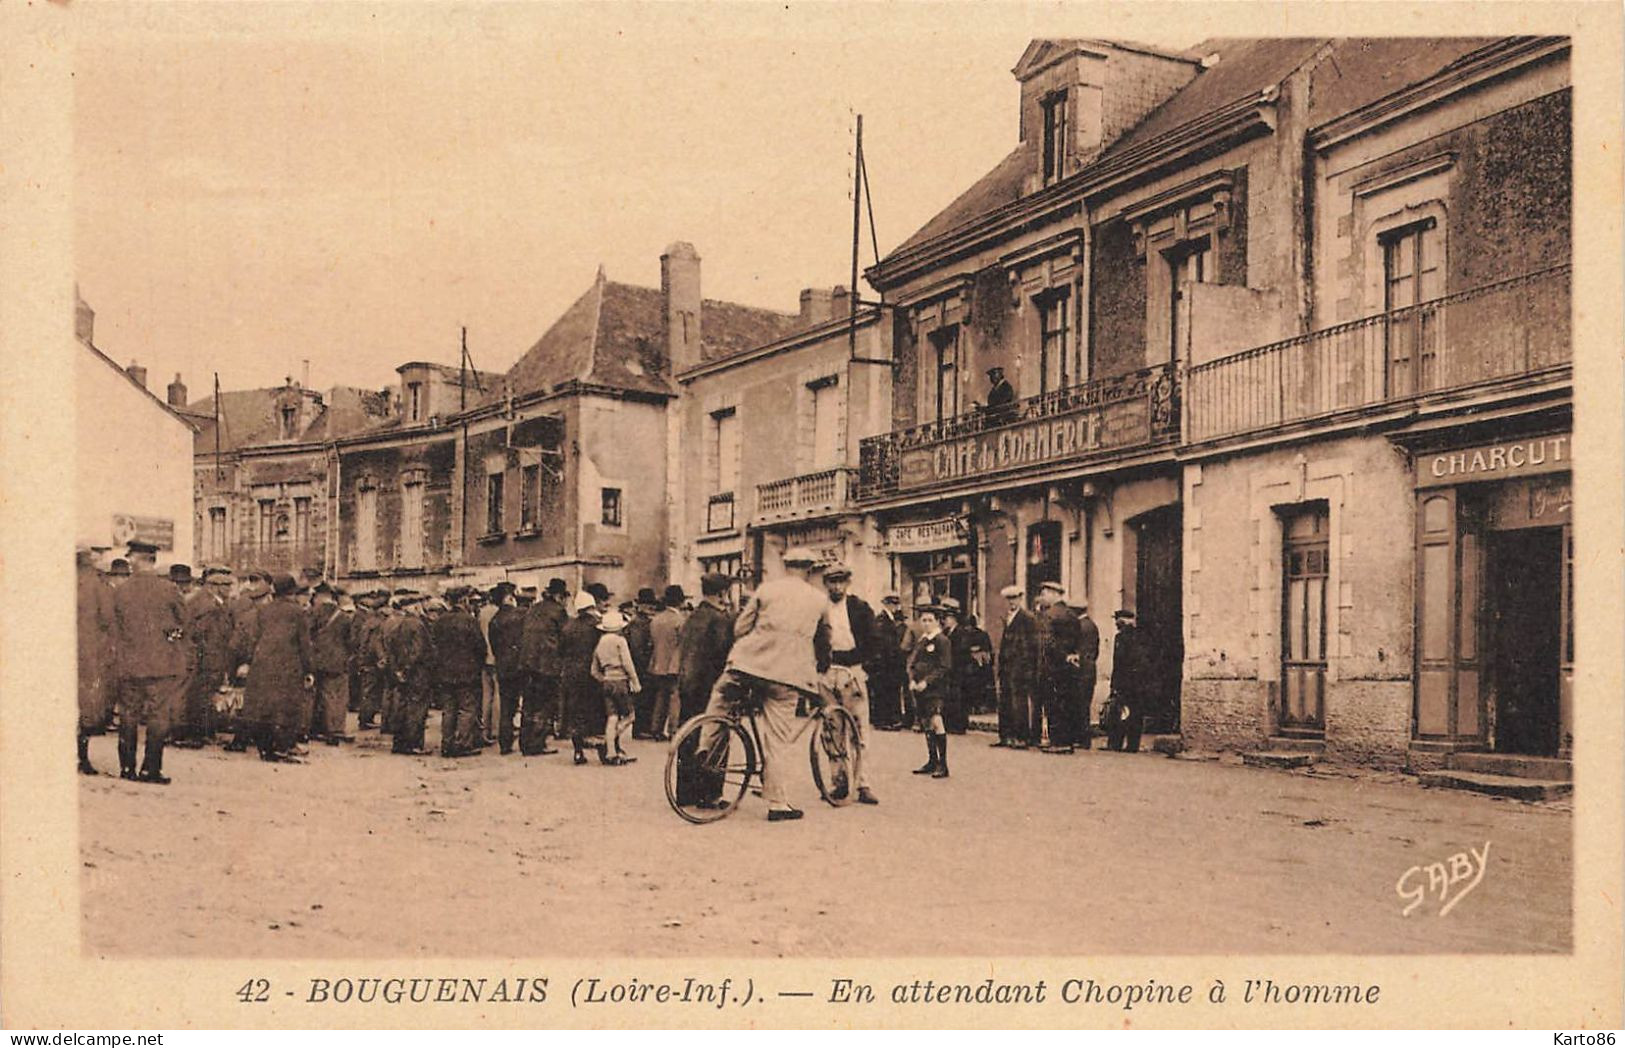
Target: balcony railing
x=1078 y=423
x=807 y=495
x=1513 y=327
x=719 y=512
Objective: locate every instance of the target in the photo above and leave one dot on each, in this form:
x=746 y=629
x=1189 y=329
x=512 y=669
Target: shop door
x=1525 y=610
x=1306 y=572
x=1159 y=604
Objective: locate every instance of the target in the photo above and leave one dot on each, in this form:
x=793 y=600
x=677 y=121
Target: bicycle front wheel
x=835 y=754
x=706 y=784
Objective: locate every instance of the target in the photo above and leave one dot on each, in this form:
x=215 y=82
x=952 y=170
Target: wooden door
x=1306 y=574
x=1159 y=609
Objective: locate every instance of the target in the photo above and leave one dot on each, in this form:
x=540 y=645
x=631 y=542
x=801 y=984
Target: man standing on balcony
x=1001 y=398
x=843 y=679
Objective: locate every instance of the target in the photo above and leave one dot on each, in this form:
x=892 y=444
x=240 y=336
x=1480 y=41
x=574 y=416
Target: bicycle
x=736 y=758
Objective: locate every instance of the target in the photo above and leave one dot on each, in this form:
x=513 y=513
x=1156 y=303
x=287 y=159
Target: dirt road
x=359 y=853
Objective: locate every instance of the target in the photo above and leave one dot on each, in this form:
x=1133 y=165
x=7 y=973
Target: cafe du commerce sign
x=1503 y=460
x=1058 y=438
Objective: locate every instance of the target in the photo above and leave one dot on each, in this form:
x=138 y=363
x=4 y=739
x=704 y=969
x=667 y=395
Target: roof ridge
x=598 y=286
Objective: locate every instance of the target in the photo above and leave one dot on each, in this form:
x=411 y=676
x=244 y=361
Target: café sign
x=1059 y=438
x=926 y=536
x=1525 y=457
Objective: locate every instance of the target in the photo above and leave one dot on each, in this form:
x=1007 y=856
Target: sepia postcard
x=831 y=515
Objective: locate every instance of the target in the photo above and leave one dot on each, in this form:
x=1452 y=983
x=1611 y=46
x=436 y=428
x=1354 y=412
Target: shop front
x=932 y=558
x=1494 y=596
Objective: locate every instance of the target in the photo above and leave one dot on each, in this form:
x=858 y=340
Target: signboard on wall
x=1057 y=438
x=926 y=535
x=1502 y=460
x=127 y=528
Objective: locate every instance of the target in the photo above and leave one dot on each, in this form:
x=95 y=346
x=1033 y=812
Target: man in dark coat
x=640 y=640
x=374 y=680
x=886 y=665
x=1060 y=644
x=506 y=633
x=95 y=655
x=209 y=625
x=408 y=655
x=955 y=706
x=245 y=610
x=459 y=661
x=1069 y=644
x=539 y=658
x=152 y=661
x=583 y=701
x=1124 y=716
x=1001 y=398
x=281 y=668
x=930 y=678
x=331 y=661
x=703 y=642
x=1019 y=721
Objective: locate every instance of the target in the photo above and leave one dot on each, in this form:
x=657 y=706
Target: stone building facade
x=766 y=451
x=1282 y=388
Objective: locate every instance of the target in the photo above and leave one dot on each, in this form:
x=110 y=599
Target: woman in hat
x=617 y=676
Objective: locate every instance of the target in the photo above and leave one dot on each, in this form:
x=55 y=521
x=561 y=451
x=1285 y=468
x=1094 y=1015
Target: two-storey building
x=1286 y=323
x=557 y=467
x=1377 y=497
x=766 y=447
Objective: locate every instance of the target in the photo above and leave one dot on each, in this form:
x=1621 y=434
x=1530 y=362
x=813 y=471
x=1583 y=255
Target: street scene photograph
x=618 y=487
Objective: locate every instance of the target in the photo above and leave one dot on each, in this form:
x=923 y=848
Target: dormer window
x=1055 y=131
x=290 y=421
x=414 y=401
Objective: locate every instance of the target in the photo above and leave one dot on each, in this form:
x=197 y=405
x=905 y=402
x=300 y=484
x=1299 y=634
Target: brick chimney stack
x=137 y=372
x=840 y=302
x=680 y=288
x=176 y=394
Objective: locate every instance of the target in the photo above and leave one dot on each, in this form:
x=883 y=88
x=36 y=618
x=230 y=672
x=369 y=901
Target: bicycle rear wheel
x=707 y=786
x=834 y=753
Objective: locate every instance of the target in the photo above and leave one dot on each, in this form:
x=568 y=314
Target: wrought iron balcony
x=1499 y=331
x=1093 y=420
x=808 y=495
x=719 y=512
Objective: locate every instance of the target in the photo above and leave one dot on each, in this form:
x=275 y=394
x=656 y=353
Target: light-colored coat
x=773 y=636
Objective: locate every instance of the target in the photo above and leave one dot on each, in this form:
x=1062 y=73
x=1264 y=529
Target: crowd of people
x=274 y=662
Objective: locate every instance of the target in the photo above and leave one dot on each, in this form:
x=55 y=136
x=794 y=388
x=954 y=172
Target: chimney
x=840 y=302
x=680 y=289
x=84 y=318
x=176 y=394
x=815 y=306
x=137 y=372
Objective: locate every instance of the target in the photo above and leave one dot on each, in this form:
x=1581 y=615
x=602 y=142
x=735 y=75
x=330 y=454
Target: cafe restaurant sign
x=1524 y=457
x=926 y=536
x=1060 y=438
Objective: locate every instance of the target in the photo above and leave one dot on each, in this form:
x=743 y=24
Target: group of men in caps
x=162 y=651
x=1047 y=674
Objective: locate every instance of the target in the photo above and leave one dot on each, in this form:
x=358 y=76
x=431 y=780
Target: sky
x=258 y=186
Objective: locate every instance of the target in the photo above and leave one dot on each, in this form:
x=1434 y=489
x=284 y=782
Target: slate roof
x=614 y=335
x=248 y=417
x=1355 y=73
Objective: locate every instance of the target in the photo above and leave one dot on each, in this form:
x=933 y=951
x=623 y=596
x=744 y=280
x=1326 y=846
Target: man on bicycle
x=773 y=664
